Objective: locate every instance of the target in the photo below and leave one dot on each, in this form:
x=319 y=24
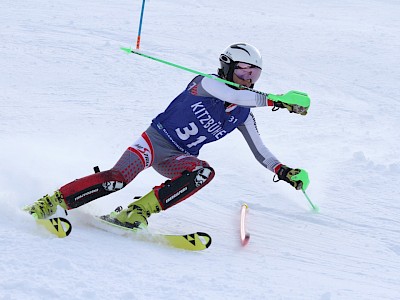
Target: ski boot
x=46 y=206
x=135 y=216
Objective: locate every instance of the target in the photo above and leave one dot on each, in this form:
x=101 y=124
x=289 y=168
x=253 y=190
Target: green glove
x=298 y=178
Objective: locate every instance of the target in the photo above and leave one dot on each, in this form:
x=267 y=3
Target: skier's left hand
x=298 y=178
x=292 y=108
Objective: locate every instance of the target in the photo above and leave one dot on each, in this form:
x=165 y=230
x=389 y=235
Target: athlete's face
x=246 y=74
x=236 y=79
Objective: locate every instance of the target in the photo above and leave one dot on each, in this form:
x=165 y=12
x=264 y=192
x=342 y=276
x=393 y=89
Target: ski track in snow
x=71 y=100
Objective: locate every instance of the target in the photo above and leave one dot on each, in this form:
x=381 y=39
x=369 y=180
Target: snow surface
x=71 y=100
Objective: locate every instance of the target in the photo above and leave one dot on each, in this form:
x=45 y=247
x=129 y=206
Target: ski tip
x=66 y=226
x=205 y=239
x=193 y=242
x=60 y=227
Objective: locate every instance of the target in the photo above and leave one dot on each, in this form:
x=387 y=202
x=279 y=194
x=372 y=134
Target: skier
x=206 y=111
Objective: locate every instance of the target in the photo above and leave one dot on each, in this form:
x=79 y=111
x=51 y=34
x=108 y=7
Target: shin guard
x=178 y=189
x=86 y=189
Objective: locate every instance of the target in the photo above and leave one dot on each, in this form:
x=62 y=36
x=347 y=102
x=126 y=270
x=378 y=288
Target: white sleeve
x=253 y=139
x=221 y=91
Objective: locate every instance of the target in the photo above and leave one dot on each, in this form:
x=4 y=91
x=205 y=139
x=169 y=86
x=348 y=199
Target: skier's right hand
x=298 y=178
x=292 y=108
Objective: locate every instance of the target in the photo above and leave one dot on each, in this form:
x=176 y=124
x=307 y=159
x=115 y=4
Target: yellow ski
x=58 y=226
x=194 y=242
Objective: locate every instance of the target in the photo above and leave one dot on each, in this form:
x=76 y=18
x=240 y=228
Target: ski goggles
x=247 y=71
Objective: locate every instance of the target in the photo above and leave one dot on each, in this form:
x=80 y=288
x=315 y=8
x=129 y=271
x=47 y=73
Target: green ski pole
x=291 y=97
x=303 y=177
x=314 y=207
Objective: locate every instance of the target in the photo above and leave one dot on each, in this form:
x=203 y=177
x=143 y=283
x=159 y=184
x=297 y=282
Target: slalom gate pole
x=291 y=97
x=244 y=235
x=140 y=26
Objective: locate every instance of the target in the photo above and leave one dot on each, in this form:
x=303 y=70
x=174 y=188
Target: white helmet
x=235 y=53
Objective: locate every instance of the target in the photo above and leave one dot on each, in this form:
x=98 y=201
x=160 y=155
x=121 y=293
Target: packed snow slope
x=70 y=99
